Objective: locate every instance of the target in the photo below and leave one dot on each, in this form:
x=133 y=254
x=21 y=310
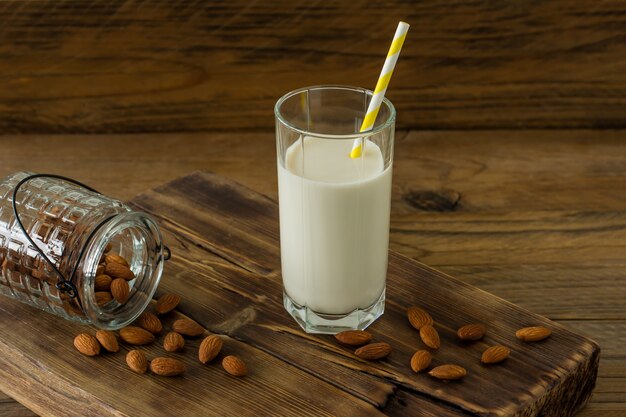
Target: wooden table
x=535 y=217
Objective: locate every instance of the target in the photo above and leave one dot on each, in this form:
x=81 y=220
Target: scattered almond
x=354 y=337
x=108 y=247
x=167 y=366
x=136 y=335
x=472 y=332
x=173 y=342
x=100 y=269
x=419 y=317
x=103 y=297
x=430 y=337
x=495 y=354
x=167 y=303
x=373 y=351
x=116 y=259
x=533 y=334
x=150 y=322
x=108 y=340
x=187 y=327
x=120 y=290
x=102 y=283
x=137 y=361
x=209 y=348
x=421 y=360
x=87 y=344
x=116 y=270
x=448 y=372
x=234 y=366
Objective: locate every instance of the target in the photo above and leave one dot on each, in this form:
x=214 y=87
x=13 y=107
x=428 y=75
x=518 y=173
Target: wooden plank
x=125 y=165
x=537 y=244
x=15 y=409
x=248 y=306
x=11 y=408
x=555 y=289
x=409 y=283
x=489 y=170
x=228 y=319
x=72 y=385
x=553 y=378
x=603 y=410
x=135 y=66
x=512 y=171
x=583 y=282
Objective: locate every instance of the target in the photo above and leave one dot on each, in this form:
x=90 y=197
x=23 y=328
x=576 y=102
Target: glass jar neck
x=136 y=237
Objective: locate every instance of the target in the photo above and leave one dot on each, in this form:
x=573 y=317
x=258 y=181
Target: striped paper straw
x=381 y=85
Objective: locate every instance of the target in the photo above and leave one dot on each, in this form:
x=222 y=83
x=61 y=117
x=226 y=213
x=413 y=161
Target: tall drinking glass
x=334 y=209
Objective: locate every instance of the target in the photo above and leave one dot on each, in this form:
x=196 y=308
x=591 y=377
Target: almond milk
x=334 y=224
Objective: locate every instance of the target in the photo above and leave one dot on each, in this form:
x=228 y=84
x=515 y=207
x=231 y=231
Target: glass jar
x=73 y=227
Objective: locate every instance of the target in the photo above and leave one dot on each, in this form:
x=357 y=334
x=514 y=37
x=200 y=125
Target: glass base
x=313 y=322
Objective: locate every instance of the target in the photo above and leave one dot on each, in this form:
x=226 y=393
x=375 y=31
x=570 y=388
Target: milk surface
x=334 y=224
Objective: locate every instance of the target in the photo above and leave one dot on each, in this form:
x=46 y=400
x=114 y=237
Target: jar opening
x=135 y=237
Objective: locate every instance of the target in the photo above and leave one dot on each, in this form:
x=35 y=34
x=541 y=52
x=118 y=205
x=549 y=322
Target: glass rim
x=130 y=311
x=376 y=129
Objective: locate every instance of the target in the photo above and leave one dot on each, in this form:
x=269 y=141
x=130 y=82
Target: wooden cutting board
x=225 y=266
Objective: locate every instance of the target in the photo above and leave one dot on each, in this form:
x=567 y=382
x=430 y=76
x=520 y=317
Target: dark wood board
x=121 y=66
x=232 y=287
x=555 y=244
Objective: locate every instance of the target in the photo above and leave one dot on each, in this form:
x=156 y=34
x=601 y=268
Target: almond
x=495 y=354
x=209 y=348
x=87 y=344
x=120 y=290
x=137 y=361
x=187 y=327
x=108 y=340
x=430 y=337
x=173 y=342
x=167 y=366
x=472 y=332
x=150 y=322
x=108 y=247
x=448 y=372
x=421 y=360
x=100 y=269
x=234 y=366
x=116 y=270
x=419 y=317
x=354 y=337
x=102 y=283
x=167 y=303
x=136 y=335
x=116 y=259
x=373 y=351
x=102 y=297
x=533 y=334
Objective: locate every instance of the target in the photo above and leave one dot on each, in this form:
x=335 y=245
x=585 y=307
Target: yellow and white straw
x=381 y=86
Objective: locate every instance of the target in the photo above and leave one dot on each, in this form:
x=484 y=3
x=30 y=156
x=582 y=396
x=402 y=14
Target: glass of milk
x=334 y=210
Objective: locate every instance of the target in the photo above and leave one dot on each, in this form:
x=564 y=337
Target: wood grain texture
x=539 y=213
x=68 y=387
x=197 y=211
x=584 y=284
x=234 y=288
x=148 y=66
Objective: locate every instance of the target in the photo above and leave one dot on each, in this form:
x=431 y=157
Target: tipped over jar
x=58 y=241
